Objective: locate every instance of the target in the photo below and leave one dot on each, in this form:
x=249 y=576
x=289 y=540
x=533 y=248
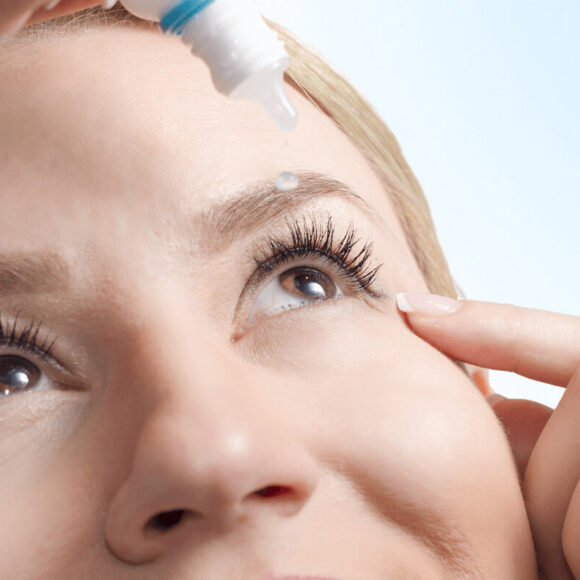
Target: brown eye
x=293 y=288
x=308 y=283
x=17 y=374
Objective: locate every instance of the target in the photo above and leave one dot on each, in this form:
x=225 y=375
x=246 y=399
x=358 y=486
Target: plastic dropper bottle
x=246 y=59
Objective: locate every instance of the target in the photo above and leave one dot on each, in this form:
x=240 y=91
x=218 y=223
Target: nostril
x=166 y=520
x=272 y=491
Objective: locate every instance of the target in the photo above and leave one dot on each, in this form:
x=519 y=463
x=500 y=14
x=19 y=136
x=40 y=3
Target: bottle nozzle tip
x=283 y=113
x=267 y=89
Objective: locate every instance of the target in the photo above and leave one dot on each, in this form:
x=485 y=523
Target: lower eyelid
x=245 y=328
x=261 y=325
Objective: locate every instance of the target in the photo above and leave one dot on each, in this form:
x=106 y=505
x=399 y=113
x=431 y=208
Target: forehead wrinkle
x=261 y=203
x=28 y=272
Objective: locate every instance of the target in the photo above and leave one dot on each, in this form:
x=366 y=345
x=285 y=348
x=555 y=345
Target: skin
x=384 y=450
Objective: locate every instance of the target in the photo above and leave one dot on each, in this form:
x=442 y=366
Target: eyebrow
x=217 y=229
x=263 y=202
x=27 y=272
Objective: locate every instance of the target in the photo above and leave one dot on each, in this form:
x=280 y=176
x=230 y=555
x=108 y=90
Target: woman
x=206 y=376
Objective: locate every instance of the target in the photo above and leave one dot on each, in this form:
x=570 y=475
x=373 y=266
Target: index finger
x=15 y=14
x=537 y=344
x=63 y=7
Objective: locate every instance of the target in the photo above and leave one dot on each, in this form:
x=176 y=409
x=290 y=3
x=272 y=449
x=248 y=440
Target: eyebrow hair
x=263 y=202
x=219 y=227
x=28 y=272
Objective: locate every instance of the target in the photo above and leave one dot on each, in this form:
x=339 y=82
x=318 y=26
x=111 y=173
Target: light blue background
x=483 y=97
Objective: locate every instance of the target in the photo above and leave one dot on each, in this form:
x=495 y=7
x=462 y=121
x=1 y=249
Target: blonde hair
x=338 y=99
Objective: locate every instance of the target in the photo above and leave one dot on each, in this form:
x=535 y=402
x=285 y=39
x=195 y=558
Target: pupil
x=307 y=284
x=17 y=374
x=17 y=378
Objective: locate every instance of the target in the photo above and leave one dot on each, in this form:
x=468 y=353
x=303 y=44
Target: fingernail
x=494 y=398
x=108 y=4
x=424 y=303
x=51 y=4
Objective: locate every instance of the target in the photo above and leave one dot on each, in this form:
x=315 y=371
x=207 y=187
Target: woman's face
x=203 y=375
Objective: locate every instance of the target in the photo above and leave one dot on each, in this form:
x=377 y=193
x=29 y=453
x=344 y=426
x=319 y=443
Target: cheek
x=395 y=417
x=355 y=366
x=376 y=373
x=45 y=502
x=348 y=338
x=334 y=334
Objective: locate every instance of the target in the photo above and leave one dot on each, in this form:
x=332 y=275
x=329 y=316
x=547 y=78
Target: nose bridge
x=204 y=390
x=179 y=349
x=176 y=358
x=195 y=382
x=209 y=408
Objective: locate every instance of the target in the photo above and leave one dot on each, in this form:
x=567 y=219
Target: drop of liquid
x=287 y=181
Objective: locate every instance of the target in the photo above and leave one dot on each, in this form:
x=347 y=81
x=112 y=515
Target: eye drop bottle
x=246 y=59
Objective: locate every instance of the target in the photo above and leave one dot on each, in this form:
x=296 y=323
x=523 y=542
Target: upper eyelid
x=36 y=354
x=285 y=263
x=327 y=258
x=345 y=238
x=279 y=228
x=39 y=344
x=25 y=335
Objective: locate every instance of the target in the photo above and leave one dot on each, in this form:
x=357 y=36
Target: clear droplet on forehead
x=287 y=181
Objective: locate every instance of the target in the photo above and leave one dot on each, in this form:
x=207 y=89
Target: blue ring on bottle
x=181 y=14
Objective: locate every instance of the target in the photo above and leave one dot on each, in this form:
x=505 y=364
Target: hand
x=543 y=346
x=15 y=14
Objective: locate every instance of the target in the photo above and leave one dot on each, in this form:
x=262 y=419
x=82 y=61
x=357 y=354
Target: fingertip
x=494 y=398
x=426 y=303
x=11 y=26
x=402 y=302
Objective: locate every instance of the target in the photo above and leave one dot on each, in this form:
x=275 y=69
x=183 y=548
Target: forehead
x=128 y=118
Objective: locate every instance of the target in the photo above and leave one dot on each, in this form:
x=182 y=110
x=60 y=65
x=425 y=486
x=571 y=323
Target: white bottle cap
x=246 y=58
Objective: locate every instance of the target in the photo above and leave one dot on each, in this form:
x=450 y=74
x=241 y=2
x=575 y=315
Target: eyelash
x=310 y=238
x=26 y=340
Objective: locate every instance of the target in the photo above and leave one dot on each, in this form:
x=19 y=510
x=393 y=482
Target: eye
x=291 y=289
x=17 y=375
x=287 y=277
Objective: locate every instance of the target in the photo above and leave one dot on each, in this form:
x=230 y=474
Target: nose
x=207 y=459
